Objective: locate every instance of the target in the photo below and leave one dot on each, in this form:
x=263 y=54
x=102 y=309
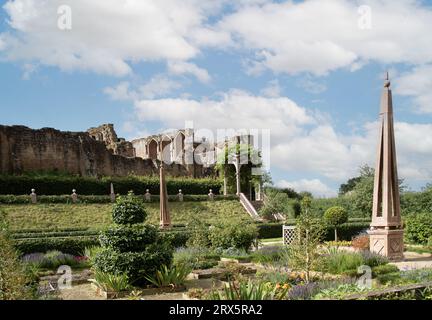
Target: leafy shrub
x=339 y=261
x=196 y=258
x=338 y=243
x=128 y=238
x=418 y=228
x=307 y=291
x=335 y=216
x=267 y=254
x=91 y=252
x=199 y=234
x=303 y=291
x=110 y=282
x=174 y=276
x=372 y=259
x=417 y=275
x=176 y=239
x=361 y=242
x=340 y=292
x=136 y=265
x=128 y=210
x=389 y=278
x=129 y=248
x=238 y=234
x=13 y=279
x=249 y=290
x=384 y=269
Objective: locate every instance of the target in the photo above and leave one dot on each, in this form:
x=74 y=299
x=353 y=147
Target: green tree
x=334 y=217
x=226 y=166
x=276 y=202
x=303 y=254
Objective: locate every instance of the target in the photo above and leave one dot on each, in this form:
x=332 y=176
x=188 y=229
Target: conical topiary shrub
x=131 y=247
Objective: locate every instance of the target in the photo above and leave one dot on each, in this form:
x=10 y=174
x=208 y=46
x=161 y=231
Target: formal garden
x=214 y=250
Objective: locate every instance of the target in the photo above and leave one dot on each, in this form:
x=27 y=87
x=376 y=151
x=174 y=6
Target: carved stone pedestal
x=388 y=243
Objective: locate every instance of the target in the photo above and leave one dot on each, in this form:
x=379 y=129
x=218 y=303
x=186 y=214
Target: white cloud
x=2 y=43
x=121 y=91
x=28 y=70
x=158 y=86
x=107 y=36
x=311 y=86
x=417 y=84
x=319 y=36
x=301 y=140
x=235 y=109
x=181 y=67
x=272 y=90
x=315 y=186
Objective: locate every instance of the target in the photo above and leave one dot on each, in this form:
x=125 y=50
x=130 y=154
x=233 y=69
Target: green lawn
x=97 y=216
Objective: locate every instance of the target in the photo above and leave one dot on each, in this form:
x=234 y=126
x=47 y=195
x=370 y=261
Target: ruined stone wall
x=25 y=150
x=107 y=134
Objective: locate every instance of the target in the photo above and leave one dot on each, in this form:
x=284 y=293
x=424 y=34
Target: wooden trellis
x=288 y=234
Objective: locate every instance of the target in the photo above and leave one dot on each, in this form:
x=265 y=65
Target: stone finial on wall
x=33 y=196
x=74 y=196
x=180 y=195
x=147 y=196
x=211 y=195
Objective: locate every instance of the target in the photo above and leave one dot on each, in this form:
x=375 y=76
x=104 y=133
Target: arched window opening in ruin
x=179 y=146
x=153 y=150
x=166 y=149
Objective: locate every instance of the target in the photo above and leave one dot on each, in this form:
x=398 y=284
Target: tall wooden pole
x=165 y=219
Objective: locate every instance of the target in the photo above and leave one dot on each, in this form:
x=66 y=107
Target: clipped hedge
x=71 y=245
x=62 y=199
x=61 y=185
x=54 y=234
x=346 y=231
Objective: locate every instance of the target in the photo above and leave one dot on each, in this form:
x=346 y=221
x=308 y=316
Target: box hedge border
x=346 y=231
x=85 y=199
x=61 y=185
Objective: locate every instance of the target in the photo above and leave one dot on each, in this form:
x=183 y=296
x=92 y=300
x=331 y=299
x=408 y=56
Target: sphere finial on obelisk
x=387 y=80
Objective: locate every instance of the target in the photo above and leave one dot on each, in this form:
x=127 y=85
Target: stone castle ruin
x=100 y=152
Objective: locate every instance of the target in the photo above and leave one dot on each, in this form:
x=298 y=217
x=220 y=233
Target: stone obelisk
x=386 y=233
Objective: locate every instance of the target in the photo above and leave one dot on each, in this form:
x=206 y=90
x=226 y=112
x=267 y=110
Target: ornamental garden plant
x=130 y=247
x=334 y=217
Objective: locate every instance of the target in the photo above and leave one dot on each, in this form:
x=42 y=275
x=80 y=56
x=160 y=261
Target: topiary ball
x=336 y=215
x=128 y=210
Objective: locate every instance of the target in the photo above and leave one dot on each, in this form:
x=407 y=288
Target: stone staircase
x=249 y=207
x=257 y=205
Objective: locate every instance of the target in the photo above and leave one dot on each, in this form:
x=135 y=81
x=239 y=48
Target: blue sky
x=310 y=71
